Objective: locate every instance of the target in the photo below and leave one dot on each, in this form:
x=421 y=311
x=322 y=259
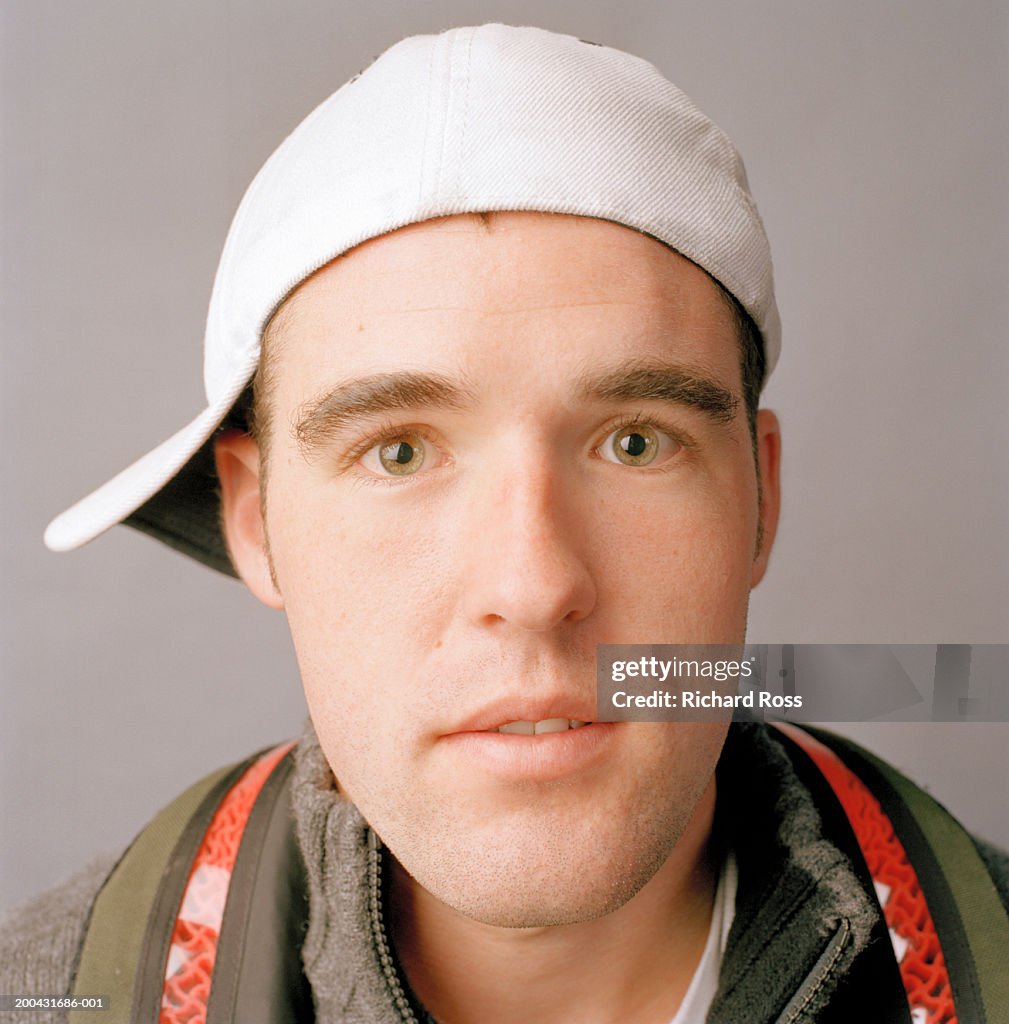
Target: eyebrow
x=322 y=419
x=662 y=382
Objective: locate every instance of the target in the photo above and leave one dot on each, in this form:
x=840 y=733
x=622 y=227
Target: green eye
x=637 y=444
x=401 y=457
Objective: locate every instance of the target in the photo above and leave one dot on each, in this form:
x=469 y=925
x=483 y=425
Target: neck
x=633 y=964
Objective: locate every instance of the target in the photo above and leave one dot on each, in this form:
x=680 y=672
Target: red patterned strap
x=193 y=948
x=912 y=929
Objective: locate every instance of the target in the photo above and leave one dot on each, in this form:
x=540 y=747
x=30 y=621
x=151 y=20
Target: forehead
x=469 y=288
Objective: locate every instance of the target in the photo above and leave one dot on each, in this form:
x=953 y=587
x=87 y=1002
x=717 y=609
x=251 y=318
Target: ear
x=769 y=467
x=237 y=456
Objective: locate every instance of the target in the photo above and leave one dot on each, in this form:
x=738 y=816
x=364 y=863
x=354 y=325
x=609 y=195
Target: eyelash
x=389 y=431
x=384 y=433
x=648 y=420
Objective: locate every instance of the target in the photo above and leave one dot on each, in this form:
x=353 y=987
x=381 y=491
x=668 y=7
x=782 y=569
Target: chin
x=532 y=909
x=539 y=875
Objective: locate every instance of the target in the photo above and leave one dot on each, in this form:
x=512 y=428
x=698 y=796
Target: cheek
x=355 y=600
x=367 y=588
x=361 y=567
x=677 y=568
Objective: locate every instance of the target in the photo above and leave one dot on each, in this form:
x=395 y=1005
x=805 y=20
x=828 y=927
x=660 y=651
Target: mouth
x=532 y=750
x=546 y=725
x=522 y=716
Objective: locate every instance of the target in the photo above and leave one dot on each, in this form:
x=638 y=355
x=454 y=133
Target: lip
x=534 y=758
x=510 y=709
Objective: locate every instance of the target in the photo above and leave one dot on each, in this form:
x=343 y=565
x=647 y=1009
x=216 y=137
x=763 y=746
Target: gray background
x=876 y=143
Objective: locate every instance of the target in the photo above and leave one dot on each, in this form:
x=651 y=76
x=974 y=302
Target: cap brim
x=126 y=495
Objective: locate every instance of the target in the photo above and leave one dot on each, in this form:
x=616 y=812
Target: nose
x=527 y=563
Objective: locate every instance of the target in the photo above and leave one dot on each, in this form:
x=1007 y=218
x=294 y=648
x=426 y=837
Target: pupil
x=404 y=453
x=635 y=445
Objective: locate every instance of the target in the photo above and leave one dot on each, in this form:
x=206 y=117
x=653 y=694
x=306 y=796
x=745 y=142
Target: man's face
x=495 y=446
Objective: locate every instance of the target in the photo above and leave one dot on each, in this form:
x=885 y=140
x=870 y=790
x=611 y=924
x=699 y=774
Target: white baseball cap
x=473 y=120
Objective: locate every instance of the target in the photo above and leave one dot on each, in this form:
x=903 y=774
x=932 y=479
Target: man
x=505 y=306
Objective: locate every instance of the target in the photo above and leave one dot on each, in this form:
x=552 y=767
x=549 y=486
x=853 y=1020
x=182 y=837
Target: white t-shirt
x=704 y=983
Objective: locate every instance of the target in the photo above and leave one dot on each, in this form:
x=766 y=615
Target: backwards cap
x=475 y=119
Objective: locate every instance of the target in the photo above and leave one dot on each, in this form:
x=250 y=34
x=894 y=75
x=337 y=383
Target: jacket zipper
x=378 y=930
x=822 y=969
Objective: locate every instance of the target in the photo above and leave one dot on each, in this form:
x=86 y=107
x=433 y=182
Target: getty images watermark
x=803 y=682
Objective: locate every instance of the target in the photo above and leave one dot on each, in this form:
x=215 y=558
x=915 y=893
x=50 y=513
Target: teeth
x=552 y=725
x=518 y=728
x=539 y=728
